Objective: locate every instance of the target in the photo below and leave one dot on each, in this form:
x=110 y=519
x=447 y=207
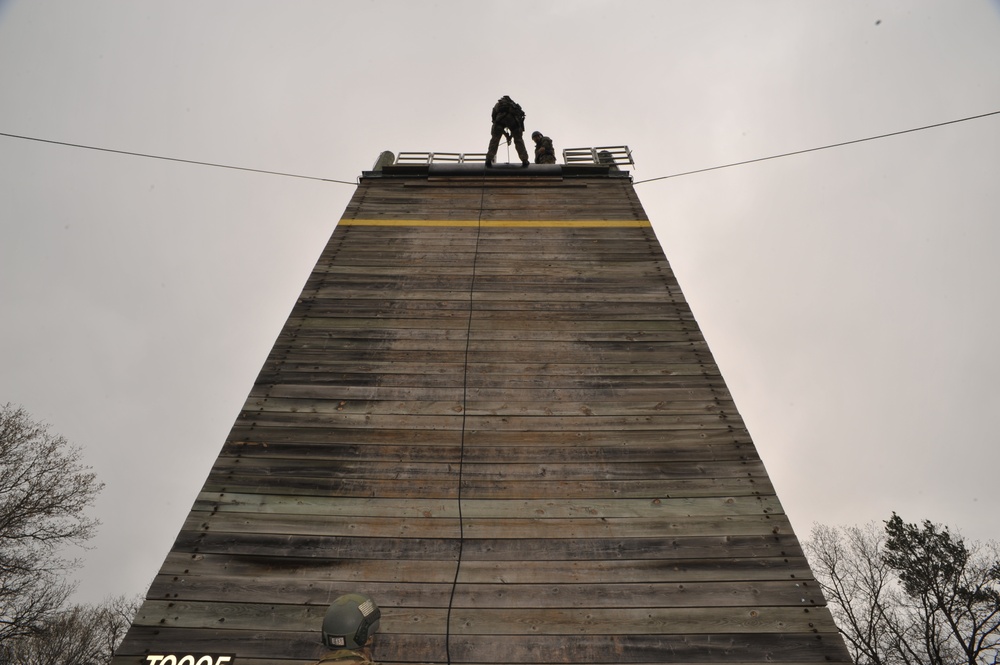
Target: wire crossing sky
x=638 y=182
x=825 y=147
x=175 y=159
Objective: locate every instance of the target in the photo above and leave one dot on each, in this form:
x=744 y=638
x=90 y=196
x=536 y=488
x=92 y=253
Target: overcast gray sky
x=849 y=294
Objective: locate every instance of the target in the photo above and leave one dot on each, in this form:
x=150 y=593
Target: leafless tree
x=908 y=595
x=113 y=619
x=44 y=490
x=858 y=586
x=81 y=635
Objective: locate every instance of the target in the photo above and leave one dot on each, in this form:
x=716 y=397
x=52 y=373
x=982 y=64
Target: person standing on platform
x=508 y=120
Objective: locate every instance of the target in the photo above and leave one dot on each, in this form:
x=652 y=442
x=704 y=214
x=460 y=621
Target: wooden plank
x=604 y=407
x=489 y=549
x=252 y=568
x=709 y=487
x=245 y=435
x=349 y=547
x=713 y=444
x=334 y=271
x=276 y=504
x=680 y=546
x=601 y=648
x=300 y=338
x=428 y=528
x=181 y=568
x=275 y=646
x=501 y=341
x=543 y=317
x=498 y=352
x=552 y=377
x=490 y=489
x=444 y=421
x=725 y=571
x=352 y=392
x=539 y=594
x=558 y=450
x=496 y=472
x=636 y=621
x=502 y=621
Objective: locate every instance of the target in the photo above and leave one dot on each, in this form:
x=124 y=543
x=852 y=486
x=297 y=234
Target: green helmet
x=350 y=621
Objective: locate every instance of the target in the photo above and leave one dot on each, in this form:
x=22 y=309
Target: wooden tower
x=492 y=410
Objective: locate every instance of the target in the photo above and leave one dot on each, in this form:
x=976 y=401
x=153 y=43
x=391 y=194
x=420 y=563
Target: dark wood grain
x=492 y=409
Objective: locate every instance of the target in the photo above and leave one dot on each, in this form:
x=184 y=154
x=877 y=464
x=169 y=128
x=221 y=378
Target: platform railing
x=619 y=155
x=441 y=157
x=614 y=155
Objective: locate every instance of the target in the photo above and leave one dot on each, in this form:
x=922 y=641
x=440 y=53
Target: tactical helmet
x=536 y=134
x=350 y=621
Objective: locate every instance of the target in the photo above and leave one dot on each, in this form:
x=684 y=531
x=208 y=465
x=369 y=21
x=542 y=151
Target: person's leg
x=491 y=153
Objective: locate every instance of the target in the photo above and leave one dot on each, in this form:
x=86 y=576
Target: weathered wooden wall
x=492 y=410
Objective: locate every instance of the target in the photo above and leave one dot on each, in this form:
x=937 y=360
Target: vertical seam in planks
x=465 y=400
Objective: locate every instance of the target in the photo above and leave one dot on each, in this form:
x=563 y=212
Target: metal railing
x=441 y=157
x=613 y=155
x=618 y=155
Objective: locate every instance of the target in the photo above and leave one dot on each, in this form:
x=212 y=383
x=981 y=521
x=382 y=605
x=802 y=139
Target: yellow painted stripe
x=607 y=223
x=631 y=223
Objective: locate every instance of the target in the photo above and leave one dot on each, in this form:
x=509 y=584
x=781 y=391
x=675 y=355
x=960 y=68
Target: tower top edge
x=480 y=170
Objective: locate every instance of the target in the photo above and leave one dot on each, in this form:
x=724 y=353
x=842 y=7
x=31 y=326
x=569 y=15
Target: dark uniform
x=507 y=115
x=544 y=152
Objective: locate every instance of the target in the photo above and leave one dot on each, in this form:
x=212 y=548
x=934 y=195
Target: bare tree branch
x=44 y=490
x=910 y=594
